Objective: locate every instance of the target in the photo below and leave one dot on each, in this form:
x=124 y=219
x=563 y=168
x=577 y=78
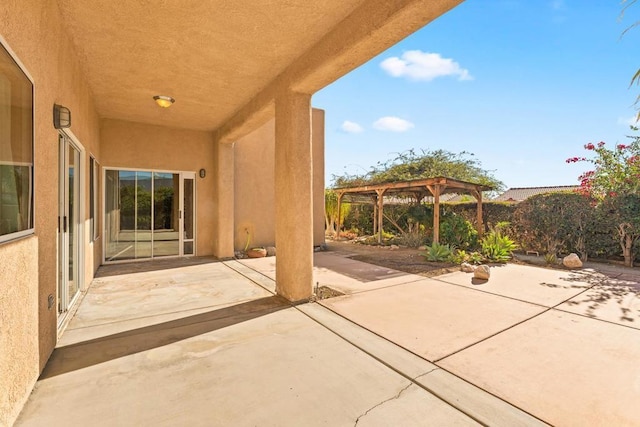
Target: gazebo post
x=436 y=215
x=338 y=220
x=375 y=215
x=479 y=219
x=380 y=193
x=435 y=190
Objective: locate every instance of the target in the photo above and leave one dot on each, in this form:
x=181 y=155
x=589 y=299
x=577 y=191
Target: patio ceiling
x=216 y=57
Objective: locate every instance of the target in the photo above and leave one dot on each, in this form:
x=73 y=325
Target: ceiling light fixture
x=164 y=101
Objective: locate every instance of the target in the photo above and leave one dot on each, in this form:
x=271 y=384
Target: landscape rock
x=482 y=272
x=394 y=247
x=271 y=250
x=257 y=253
x=572 y=261
x=467 y=268
x=422 y=248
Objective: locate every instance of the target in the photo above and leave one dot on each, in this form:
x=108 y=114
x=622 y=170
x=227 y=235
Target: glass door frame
x=182 y=176
x=67 y=141
x=183 y=213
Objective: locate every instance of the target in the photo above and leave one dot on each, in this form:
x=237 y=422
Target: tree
x=622 y=212
x=426 y=164
x=331 y=211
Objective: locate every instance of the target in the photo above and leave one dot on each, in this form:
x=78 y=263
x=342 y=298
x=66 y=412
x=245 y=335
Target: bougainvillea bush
x=614 y=170
x=613 y=182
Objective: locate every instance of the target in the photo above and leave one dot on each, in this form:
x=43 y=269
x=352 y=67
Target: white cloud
x=628 y=121
x=393 y=124
x=351 y=127
x=418 y=65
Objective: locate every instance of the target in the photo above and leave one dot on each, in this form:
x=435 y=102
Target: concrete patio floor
x=198 y=342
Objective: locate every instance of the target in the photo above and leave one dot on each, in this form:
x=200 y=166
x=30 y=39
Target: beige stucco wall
x=254 y=176
x=139 y=146
x=18 y=325
x=32 y=29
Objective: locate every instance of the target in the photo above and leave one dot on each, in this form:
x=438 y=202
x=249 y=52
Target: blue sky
x=521 y=84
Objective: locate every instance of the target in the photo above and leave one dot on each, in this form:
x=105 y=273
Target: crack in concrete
x=425 y=374
x=397 y=396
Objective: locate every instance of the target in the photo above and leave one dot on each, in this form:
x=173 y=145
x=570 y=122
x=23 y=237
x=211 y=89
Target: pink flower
x=600 y=144
x=589 y=146
x=621 y=147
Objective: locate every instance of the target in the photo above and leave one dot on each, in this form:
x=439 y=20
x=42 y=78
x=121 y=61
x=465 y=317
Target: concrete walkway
x=207 y=343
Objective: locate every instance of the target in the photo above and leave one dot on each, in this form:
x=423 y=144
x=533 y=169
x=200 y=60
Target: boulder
x=394 y=247
x=482 y=272
x=572 y=261
x=257 y=252
x=422 y=248
x=467 y=268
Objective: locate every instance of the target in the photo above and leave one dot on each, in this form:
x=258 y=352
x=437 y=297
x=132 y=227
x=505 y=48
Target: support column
x=375 y=215
x=479 y=220
x=294 y=196
x=380 y=213
x=224 y=201
x=338 y=222
x=435 y=190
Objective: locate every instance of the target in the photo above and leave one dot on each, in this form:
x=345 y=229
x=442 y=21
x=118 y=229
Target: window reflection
x=141 y=214
x=16 y=149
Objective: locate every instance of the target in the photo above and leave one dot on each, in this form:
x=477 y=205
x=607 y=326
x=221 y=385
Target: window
x=16 y=149
x=94 y=168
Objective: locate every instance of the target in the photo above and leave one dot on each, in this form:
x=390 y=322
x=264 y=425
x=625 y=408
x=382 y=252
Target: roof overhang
x=225 y=62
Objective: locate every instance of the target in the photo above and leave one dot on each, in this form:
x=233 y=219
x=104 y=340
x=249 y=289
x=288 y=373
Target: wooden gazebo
x=419 y=189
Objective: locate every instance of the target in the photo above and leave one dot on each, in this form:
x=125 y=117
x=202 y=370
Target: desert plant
x=459 y=256
x=497 y=247
x=550 y=259
x=437 y=252
x=413 y=239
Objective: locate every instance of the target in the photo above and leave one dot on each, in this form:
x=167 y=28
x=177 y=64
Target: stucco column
x=294 y=196
x=224 y=206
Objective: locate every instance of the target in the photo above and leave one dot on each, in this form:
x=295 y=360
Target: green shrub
x=457 y=232
x=554 y=223
x=437 y=252
x=492 y=212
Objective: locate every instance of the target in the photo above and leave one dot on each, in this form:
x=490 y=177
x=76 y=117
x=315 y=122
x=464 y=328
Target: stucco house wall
x=33 y=31
x=254 y=176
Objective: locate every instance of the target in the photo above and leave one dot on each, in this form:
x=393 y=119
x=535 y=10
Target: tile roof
x=523 y=193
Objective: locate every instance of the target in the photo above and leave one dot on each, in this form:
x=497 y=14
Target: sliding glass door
x=69 y=223
x=148 y=214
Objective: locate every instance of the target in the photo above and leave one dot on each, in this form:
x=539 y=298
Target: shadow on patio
x=92 y=352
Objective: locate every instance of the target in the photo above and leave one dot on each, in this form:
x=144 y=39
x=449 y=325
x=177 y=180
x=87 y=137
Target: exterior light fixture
x=61 y=117
x=203 y=173
x=164 y=101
